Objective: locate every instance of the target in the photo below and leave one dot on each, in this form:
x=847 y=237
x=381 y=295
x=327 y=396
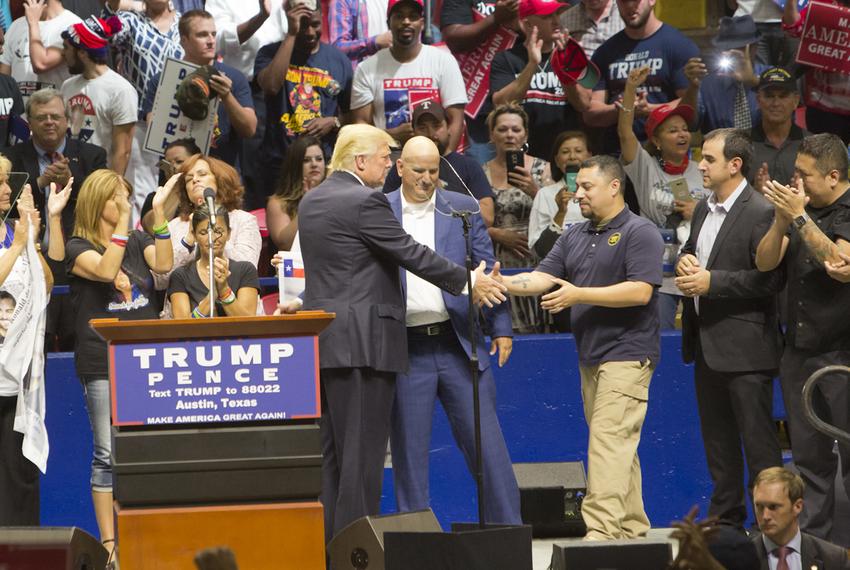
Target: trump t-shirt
x=665 y=53
x=394 y=88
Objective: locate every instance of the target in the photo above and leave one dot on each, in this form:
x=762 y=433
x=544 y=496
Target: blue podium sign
x=215 y=381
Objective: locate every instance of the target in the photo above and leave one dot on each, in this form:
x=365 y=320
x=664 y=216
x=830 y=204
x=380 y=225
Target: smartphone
x=680 y=190
x=570 y=178
x=514 y=159
x=311 y=4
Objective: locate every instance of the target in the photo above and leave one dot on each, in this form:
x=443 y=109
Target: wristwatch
x=801 y=221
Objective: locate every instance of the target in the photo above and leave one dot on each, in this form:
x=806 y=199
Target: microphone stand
x=210 y=231
x=465 y=215
x=427 y=33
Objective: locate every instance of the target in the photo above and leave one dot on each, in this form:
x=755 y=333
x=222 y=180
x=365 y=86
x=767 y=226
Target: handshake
x=488 y=288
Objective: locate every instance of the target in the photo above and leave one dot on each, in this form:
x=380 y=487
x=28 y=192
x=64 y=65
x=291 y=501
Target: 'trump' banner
x=215 y=381
x=825 y=42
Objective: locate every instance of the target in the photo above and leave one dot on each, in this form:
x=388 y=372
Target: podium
x=215 y=439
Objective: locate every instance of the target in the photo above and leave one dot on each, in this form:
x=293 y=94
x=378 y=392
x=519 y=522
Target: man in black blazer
x=778 y=501
x=50 y=156
x=729 y=324
x=352 y=246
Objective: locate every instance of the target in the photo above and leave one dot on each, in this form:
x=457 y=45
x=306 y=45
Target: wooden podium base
x=280 y=536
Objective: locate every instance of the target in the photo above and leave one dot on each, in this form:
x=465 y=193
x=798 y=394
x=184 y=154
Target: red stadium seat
x=260 y=214
x=270 y=302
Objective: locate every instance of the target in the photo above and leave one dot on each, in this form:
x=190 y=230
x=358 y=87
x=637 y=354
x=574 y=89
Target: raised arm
x=342 y=19
x=43 y=58
x=629 y=144
x=516 y=89
x=466 y=37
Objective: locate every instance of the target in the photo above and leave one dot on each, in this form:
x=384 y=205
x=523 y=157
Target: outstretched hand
x=562 y=298
x=58 y=199
x=488 y=289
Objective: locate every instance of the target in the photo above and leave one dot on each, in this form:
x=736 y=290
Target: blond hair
x=5 y=166
x=99 y=187
x=793 y=483
x=357 y=140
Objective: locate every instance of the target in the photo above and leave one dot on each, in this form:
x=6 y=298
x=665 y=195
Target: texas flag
x=290 y=275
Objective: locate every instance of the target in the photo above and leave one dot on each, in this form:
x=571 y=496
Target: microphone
x=209 y=199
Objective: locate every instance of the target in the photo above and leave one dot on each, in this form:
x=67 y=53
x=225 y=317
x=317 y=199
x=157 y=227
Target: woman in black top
x=109 y=268
x=236 y=282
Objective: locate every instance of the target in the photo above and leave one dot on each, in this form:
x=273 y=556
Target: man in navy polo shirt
x=608 y=270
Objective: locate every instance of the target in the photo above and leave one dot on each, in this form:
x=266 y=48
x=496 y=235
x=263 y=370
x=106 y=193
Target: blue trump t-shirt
x=316 y=85
x=665 y=53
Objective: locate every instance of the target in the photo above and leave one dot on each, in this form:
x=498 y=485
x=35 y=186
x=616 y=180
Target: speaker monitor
x=360 y=545
x=644 y=554
x=550 y=497
x=54 y=548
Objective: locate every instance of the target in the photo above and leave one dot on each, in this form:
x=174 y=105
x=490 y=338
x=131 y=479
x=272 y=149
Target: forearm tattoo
x=521 y=281
x=818 y=244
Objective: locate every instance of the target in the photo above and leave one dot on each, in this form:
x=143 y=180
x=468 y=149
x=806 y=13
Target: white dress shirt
x=793 y=558
x=228 y=15
x=711 y=226
x=425 y=303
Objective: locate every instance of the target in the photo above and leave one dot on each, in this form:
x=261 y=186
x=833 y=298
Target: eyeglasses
x=217 y=232
x=52 y=116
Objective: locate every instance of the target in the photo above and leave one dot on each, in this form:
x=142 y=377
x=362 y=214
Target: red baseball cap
x=572 y=65
x=393 y=3
x=664 y=112
x=540 y=7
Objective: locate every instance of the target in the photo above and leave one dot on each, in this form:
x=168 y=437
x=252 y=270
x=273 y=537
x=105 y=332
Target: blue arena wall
x=539 y=408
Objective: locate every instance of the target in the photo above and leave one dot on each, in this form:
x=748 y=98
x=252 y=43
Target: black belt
x=433 y=329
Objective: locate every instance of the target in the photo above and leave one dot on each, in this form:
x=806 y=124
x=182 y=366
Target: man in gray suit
x=729 y=324
x=352 y=246
x=778 y=501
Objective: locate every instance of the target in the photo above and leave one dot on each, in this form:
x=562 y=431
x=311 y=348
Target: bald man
x=439 y=346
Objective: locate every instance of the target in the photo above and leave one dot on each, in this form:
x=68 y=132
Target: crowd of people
x=654 y=187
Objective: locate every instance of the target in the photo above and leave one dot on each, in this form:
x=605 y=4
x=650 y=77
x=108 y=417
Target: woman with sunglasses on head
x=236 y=283
x=110 y=275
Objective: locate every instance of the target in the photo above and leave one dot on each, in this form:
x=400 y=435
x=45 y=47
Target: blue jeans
x=96 y=389
x=667 y=306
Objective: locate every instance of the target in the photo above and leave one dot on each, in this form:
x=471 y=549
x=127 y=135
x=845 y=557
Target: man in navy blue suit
x=439 y=345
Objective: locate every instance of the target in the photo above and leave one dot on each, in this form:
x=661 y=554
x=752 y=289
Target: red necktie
x=782 y=554
x=55 y=156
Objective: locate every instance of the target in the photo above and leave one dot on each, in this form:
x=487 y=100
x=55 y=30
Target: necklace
x=545 y=65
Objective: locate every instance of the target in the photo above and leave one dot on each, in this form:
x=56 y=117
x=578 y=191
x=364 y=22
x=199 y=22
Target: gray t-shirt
x=185 y=279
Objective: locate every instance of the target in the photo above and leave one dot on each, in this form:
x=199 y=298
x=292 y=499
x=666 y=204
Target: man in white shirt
x=730 y=326
x=439 y=346
x=778 y=502
x=33 y=51
x=103 y=105
x=390 y=83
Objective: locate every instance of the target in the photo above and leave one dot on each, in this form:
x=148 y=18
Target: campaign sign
x=168 y=123
x=215 y=381
x=475 y=66
x=825 y=42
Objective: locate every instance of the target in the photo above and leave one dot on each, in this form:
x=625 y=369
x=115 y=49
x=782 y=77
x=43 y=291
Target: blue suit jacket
x=449 y=243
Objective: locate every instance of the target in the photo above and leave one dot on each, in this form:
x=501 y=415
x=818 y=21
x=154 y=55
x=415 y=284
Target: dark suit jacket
x=449 y=242
x=83 y=159
x=737 y=326
x=352 y=246
x=814 y=552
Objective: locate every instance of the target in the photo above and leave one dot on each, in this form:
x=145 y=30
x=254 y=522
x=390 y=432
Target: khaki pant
x=615 y=396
